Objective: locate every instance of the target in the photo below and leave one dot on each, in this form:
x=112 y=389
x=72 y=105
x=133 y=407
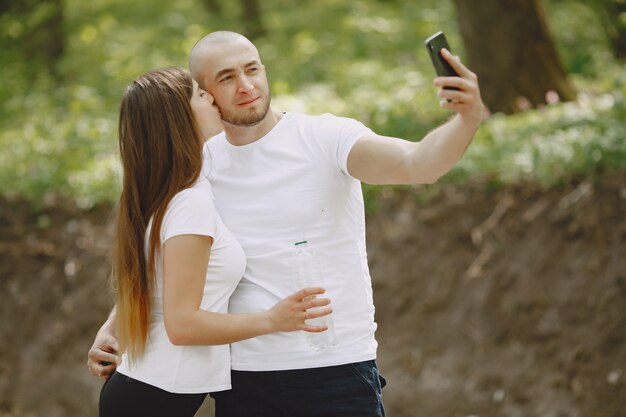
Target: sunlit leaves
x=363 y=59
x=551 y=145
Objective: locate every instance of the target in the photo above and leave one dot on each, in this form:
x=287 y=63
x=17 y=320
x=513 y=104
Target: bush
x=58 y=130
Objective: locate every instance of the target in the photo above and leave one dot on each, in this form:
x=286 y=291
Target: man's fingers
x=106 y=343
x=456 y=64
x=102 y=363
x=451 y=105
x=98 y=356
x=105 y=372
x=113 y=344
x=456 y=88
x=101 y=369
x=455 y=96
x=457 y=82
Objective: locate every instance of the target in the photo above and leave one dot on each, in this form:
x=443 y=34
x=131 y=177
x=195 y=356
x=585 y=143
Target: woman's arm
x=185 y=262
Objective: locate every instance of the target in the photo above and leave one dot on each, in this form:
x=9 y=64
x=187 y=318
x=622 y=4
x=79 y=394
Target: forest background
x=548 y=165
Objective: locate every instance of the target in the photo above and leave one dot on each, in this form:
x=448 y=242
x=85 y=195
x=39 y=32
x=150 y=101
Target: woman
x=175 y=264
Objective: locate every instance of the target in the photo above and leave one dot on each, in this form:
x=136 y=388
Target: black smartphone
x=434 y=44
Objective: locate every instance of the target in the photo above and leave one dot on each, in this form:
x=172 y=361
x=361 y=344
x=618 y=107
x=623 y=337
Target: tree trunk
x=213 y=6
x=43 y=39
x=252 y=19
x=510 y=48
x=49 y=35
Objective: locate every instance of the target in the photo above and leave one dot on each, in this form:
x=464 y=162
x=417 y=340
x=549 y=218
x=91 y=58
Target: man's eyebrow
x=229 y=70
x=223 y=72
x=252 y=63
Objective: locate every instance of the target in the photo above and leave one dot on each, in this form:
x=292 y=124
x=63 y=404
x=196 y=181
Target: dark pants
x=122 y=396
x=352 y=390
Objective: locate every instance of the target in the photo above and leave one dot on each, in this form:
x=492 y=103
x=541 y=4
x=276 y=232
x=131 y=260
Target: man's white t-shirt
x=288 y=186
x=191 y=369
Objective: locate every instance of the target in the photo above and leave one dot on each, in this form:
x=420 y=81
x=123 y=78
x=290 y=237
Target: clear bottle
x=309 y=274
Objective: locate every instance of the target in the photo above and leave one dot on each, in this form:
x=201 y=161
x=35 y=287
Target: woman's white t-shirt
x=191 y=369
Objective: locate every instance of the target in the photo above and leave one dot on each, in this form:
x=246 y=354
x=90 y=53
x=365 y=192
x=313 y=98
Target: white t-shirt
x=288 y=186
x=191 y=369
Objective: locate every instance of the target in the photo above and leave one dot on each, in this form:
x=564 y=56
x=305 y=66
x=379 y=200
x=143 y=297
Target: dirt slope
x=507 y=303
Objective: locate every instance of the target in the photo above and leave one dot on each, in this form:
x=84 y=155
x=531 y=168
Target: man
x=282 y=178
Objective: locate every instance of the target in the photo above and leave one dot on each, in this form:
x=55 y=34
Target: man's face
x=232 y=72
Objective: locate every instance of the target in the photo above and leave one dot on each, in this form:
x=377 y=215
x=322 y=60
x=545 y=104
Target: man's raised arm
x=378 y=159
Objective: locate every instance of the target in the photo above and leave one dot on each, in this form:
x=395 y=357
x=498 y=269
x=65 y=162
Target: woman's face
x=205 y=112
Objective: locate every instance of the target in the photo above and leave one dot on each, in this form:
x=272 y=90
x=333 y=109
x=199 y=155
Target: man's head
x=227 y=65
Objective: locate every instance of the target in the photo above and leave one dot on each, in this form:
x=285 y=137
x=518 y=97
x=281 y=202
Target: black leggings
x=122 y=396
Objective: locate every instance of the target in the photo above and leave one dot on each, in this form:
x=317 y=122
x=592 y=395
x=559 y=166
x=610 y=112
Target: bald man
x=280 y=178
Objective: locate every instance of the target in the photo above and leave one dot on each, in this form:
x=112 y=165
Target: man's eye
x=228 y=77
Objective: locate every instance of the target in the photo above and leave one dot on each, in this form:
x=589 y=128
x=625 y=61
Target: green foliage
x=550 y=145
x=363 y=59
x=63 y=147
x=59 y=137
x=585 y=54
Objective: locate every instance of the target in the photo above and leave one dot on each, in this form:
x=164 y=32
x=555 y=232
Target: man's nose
x=245 y=85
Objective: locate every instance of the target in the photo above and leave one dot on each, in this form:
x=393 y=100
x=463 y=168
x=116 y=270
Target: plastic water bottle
x=309 y=274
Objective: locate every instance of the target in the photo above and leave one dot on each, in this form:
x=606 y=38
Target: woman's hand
x=290 y=314
x=185 y=260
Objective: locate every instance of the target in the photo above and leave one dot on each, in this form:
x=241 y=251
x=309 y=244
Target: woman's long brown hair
x=161 y=153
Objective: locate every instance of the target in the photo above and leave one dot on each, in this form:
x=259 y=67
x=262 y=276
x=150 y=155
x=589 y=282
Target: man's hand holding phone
x=458 y=86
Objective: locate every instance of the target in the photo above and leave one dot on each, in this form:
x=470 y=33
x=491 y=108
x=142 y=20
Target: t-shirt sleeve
x=191 y=212
x=337 y=135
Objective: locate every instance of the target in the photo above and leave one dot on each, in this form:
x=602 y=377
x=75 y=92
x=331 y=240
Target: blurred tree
x=213 y=6
x=612 y=13
x=252 y=19
x=41 y=38
x=250 y=15
x=509 y=46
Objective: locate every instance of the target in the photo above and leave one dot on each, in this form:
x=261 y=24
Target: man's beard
x=247 y=120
